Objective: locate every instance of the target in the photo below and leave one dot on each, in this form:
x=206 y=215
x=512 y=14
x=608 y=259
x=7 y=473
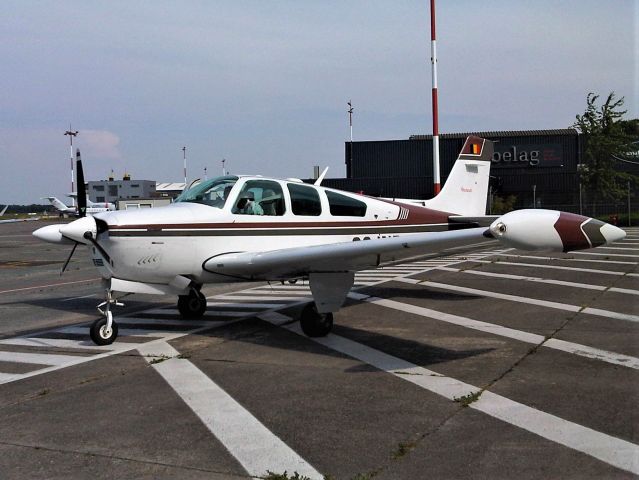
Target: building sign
x=547 y=155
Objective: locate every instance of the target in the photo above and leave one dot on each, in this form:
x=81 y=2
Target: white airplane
x=249 y=228
x=91 y=208
x=105 y=206
x=15 y=220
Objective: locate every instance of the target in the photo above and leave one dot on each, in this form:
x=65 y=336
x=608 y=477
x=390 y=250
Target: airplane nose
x=612 y=233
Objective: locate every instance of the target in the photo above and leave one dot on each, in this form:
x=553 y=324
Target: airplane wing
x=297 y=262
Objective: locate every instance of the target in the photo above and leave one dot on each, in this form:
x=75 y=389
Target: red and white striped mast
x=433 y=60
x=71 y=134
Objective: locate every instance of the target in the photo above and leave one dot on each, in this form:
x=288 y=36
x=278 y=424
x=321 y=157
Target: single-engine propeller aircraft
x=250 y=228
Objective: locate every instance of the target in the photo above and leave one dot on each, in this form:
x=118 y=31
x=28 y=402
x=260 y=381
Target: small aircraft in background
x=250 y=228
x=91 y=209
x=14 y=220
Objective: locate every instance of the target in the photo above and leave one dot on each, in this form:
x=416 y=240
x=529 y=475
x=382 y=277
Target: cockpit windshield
x=213 y=193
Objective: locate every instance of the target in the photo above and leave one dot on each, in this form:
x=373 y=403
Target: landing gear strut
x=104 y=330
x=315 y=324
x=192 y=305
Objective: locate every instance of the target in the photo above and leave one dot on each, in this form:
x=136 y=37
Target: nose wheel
x=104 y=330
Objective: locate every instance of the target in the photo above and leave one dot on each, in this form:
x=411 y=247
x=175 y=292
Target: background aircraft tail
x=57 y=204
x=466 y=189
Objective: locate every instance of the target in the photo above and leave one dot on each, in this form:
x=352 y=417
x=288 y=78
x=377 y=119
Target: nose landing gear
x=104 y=330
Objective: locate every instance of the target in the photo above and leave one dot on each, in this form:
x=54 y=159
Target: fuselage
x=157 y=244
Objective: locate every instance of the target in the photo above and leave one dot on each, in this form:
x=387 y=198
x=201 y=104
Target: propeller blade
x=82 y=191
x=64 y=267
x=89 y=236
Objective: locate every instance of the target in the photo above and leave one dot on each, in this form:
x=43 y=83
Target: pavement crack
x=120 y=457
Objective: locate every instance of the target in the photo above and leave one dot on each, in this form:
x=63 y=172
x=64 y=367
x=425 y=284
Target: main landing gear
x=193 y=305
x=315 y=324
x=104 y=330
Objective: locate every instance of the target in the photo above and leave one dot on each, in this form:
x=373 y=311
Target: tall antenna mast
x=71 y=134
x=184 y=154
x=433 y=60
x=350 y=122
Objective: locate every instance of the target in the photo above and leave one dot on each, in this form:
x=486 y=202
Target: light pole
x=205 y=175
x=223 y=169
x=71 y=134
x=534 y=196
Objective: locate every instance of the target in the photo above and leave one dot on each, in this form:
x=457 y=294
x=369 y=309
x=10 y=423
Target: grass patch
x=284 y=476
x=403 y=448
x=184 y=355
x=468 y=399
x=159 y=359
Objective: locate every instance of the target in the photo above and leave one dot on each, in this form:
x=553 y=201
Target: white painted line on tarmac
x=37 y=358
x=244 y=305
x=556 y=267
x=9 y=377
x=611 y=450
x=605 y=254
x=248 y=298
x=532 y=301
x=562 y=283
x=48 y=285
x=253 y=445
x=589 y=260
x=78 y=298
x=494 y=329
x=122 y=332
x=57 y=342
x=616 y=248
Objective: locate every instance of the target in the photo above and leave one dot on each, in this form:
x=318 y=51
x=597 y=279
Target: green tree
x=607 y=137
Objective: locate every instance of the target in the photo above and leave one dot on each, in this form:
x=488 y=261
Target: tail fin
x=466 y=189
x=57 y=203
x=4 y=210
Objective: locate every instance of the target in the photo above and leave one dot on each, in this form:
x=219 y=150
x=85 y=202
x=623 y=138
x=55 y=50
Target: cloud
x=101 y=144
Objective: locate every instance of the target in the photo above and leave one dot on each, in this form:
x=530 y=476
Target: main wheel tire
x=192 y=305
x=315 y=324
x=99 y=333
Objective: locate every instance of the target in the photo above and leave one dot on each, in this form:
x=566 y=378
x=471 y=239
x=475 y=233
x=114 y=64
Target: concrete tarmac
x=494 y=364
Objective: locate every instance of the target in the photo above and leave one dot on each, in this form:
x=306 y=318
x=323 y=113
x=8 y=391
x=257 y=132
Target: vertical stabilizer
x=466 y=189
x=58 y=204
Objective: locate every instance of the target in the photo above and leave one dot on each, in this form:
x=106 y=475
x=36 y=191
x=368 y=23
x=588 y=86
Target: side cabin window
x=304 y=200
x=260 y=197
x=343 y=206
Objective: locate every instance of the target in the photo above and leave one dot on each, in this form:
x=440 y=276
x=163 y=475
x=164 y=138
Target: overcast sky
x=264 y=84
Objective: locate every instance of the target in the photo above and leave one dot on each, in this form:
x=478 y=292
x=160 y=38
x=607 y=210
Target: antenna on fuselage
x=321 y=177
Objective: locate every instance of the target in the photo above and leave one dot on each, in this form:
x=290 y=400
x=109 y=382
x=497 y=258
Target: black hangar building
x=537 y=164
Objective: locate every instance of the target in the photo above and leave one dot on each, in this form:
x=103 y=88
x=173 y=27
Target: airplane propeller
x=85 y=228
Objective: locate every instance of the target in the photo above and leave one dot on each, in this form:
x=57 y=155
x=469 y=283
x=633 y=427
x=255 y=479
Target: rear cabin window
x=343 y=206
x=304 y=200
x=260 y=197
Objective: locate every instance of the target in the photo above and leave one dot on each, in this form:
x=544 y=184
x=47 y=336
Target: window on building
x=99 y=199
x=343 y=206
x=113 y=190
x=304 y=200
x=135 y=185
x=98 y=188
x=260 y=197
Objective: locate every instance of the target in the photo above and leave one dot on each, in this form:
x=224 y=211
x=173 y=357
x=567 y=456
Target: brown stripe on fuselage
x=568 y=226
x=270 y=231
